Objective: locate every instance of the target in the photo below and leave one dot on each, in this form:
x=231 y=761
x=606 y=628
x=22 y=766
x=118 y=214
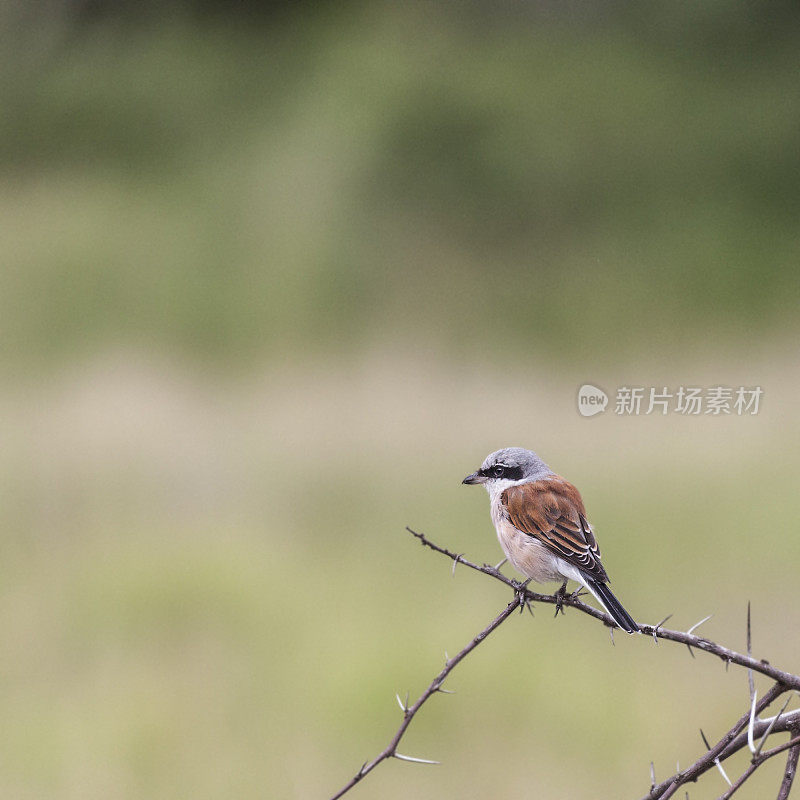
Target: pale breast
x=527 y=555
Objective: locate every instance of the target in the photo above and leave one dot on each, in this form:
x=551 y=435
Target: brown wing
x=551 y=510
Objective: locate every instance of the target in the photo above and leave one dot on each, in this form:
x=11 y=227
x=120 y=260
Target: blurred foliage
x=331 y=177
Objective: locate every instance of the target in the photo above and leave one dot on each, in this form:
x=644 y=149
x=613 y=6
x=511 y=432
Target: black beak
x=471 y=480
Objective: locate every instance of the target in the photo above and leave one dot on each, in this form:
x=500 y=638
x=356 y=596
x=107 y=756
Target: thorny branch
x=657 y=631
x=742 y=734
x=435 y=686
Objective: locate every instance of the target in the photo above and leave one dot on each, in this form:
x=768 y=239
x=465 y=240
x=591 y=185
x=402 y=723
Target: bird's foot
x=520 y=588
x=560 y=594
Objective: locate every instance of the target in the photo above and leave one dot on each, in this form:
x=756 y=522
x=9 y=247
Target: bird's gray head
x=509 y=466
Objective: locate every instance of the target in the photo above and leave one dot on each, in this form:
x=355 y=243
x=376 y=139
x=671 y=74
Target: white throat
x=497 y=486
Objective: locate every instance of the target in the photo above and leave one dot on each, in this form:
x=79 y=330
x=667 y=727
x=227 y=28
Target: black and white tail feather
x=606 y=598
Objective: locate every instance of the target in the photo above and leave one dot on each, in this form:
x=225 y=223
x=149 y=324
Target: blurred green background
x=276 y=277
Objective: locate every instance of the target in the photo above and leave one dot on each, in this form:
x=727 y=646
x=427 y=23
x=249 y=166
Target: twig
x=791 y=769
x=390 y=751
x=781 y=747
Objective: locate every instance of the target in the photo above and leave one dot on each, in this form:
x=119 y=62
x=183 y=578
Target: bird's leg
x=579 y=592
x=560 y=594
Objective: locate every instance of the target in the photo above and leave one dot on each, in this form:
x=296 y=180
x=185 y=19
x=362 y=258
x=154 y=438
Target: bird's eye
x=498 y=471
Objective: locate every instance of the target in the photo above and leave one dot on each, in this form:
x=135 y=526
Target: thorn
x=750 y=653
x=749 y=641
x=499 y=564
x=677 y=766
x=445 y=691
x=693 y=629
x=722 y=772
x=455 y=563
x=611 y=631
x=652 y=776
x=769 y=728
x=750 y=742
x=400 y=703
x=361 y=771
x=655 y=630
x=446 y=657
x=698 y=624
x=716 y=760
x=415 y=760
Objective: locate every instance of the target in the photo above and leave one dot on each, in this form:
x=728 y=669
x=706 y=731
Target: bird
x=541 y=523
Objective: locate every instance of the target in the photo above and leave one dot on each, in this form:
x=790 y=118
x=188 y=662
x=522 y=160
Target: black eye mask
x=508 y=473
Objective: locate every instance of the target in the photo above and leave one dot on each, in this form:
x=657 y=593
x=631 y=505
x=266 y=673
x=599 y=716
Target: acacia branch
x=740 y=735
x=657 y=631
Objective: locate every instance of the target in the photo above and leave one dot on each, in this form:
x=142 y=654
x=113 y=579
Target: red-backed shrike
x=542 y=527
